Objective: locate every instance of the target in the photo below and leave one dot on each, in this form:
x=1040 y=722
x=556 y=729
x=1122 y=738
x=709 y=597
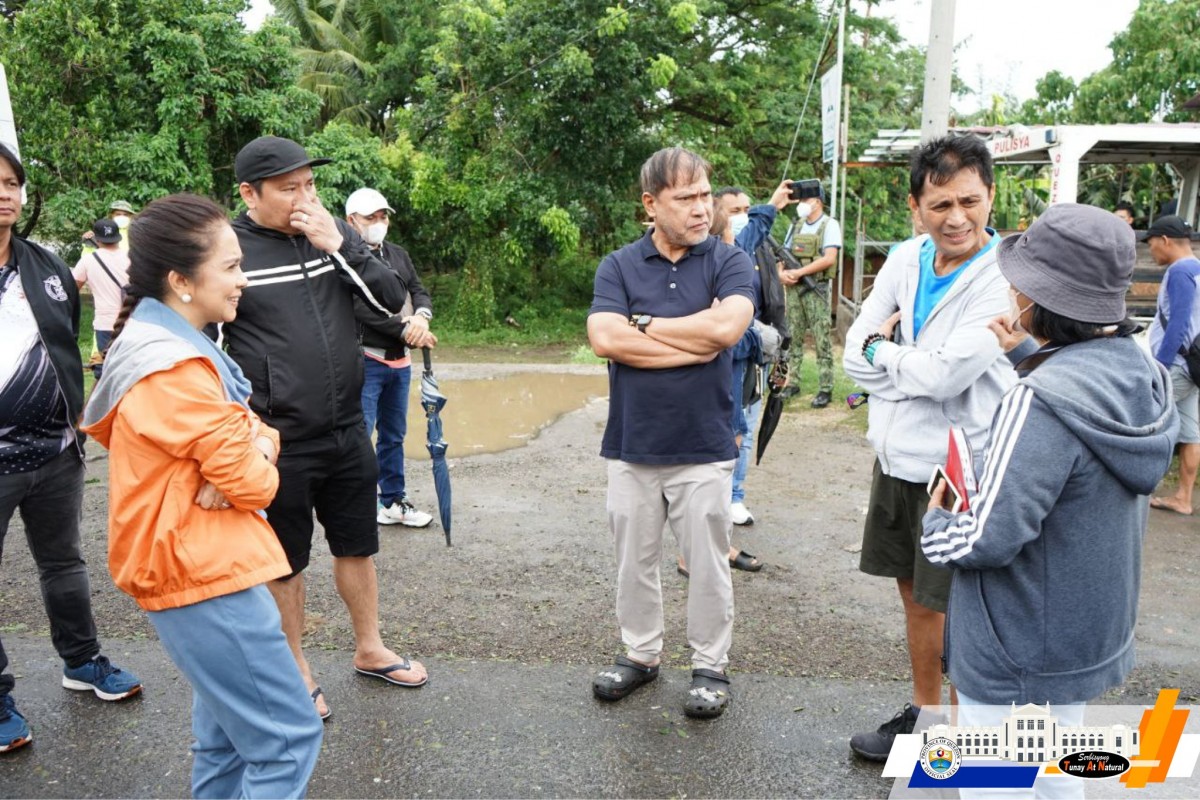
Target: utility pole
x=939 y=66
x=837 y=136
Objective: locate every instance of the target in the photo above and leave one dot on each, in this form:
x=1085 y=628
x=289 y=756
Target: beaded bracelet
x=872 y=338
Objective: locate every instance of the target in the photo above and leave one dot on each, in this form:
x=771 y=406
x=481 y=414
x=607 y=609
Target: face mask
x=1015 y=311
x=803 y=210
x=375 y=232
x=122 y=222
x=738 y=223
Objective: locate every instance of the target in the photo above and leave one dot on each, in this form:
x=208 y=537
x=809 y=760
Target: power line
x=812 y=80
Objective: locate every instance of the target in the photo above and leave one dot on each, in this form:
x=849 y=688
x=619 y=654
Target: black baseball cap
x=1170 y=226
x=106 y=231
x=268 y=156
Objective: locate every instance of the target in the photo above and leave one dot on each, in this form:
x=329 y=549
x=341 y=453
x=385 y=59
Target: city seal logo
x=940 y=758
x=1094 y=764
x=54 y=288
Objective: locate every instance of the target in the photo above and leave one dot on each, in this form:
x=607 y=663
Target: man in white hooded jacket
x=922 y=349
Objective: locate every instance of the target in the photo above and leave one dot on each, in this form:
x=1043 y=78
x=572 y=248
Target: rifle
x=781 y=253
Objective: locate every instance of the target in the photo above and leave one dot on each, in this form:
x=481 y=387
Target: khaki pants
x=694 y=500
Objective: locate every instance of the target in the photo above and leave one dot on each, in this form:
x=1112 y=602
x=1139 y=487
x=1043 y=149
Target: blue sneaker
x=101 y=677
x=14 y=730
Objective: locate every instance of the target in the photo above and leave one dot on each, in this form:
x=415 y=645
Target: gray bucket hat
x=1075 y=260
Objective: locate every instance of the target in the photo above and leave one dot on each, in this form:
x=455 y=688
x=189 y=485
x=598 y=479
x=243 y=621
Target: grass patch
x=584 y=355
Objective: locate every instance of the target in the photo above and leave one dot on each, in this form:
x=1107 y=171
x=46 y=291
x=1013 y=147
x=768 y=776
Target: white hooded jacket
x=954 y=374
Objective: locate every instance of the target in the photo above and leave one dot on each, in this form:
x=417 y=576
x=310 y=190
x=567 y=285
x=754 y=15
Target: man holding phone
x=815 y=241
x=938 y=292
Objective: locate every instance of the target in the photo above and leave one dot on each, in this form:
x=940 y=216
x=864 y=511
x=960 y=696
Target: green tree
x=527 y=109
x=340 y=43
x=140 y=98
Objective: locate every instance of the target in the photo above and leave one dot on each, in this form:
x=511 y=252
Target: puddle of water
x=487 y=416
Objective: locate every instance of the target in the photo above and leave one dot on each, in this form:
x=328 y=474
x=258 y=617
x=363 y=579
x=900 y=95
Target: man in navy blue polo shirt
x=665 y=311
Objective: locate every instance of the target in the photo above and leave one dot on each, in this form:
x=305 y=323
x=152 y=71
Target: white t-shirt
x=833 y=231
x=105 y=291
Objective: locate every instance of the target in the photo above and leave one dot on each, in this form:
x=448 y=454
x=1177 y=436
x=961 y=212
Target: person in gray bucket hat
x=1054 y=533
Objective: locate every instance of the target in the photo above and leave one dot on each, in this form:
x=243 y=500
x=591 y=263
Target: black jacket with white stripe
x=295 y=334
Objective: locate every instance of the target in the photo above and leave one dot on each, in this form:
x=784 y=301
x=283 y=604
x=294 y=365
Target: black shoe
x=620 y=680
x=822 y=399
x=876 y=745
x=708 y=696
x=789 y=391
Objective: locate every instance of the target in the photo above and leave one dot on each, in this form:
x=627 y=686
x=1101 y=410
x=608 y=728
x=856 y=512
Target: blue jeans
x=385 y=403
x=257 y=732
x=745 y=453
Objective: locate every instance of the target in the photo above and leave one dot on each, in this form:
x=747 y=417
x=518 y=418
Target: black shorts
x=334 y=475
x=892 y=539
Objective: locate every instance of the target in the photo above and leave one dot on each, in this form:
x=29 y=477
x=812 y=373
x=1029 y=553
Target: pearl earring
x=185 y=297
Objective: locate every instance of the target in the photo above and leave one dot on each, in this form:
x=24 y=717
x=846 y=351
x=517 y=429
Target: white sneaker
x=402 y=513
x=740 y=514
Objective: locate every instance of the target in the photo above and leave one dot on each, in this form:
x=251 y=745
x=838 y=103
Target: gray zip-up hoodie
x=1048 y=559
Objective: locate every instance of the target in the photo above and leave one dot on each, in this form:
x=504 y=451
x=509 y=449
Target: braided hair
x=171 y=234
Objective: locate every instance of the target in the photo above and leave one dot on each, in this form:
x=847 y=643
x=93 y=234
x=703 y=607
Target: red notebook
x=960 y=466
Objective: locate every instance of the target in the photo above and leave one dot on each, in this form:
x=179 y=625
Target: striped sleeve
x=1026 y=468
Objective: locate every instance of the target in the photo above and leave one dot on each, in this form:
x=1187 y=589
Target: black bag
x=1190 y=353
x=774 y=311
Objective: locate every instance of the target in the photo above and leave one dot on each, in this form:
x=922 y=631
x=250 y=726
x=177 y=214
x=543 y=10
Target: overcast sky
x=1001 y=47
x=1004 y=47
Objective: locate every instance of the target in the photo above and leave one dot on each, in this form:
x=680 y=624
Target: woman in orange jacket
x=190 y=469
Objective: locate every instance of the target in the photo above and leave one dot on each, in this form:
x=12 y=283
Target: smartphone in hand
x=952 y=500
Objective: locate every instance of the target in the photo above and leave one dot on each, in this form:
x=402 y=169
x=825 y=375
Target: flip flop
x=316 y=693
x=1161 y=505
x=384 y=673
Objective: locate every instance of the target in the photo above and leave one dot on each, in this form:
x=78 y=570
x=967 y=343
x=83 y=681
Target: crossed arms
x=671 y=342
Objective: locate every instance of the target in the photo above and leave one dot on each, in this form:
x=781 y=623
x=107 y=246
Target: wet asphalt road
x=476 y=730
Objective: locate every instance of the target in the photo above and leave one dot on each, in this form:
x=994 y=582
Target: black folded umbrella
x=773 y=405
x=433 y=401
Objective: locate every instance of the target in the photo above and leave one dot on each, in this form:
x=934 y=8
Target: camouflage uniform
x=808 y=312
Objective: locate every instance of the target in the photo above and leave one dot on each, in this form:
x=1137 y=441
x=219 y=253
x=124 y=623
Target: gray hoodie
x=1048 y=559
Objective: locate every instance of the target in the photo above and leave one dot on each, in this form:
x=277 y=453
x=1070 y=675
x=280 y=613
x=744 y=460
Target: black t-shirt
x=680 y=415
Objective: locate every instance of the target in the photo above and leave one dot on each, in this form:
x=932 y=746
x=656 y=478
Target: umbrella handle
x=428 y=362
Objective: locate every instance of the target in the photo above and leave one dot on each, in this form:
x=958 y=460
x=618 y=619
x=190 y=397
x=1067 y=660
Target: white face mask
x=375 y=232
x=1015 y=311
x=122 y=222
x=803 y=210
x=738 y=223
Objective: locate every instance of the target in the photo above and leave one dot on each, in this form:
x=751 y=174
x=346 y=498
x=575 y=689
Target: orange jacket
x=168 y=434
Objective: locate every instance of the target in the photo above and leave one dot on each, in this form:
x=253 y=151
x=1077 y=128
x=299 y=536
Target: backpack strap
x=107 y=271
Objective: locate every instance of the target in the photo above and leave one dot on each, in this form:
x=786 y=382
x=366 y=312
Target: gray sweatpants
x=694 y=500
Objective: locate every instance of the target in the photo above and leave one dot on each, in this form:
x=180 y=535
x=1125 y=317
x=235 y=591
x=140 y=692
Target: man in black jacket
x=387 y=365
x=296 y=340
x=41 y=452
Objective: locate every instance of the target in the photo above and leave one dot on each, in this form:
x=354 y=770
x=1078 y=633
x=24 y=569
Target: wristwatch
x=642 y=320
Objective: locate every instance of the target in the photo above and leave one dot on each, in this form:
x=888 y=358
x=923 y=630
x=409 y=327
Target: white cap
x=366 y=202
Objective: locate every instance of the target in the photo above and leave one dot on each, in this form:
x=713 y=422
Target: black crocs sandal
x=745 y=561
x=619 y=680
x=709 y=695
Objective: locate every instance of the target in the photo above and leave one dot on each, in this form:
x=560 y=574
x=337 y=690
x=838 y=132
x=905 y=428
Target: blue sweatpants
x=257 y=732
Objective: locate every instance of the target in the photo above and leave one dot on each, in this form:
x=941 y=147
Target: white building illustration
x=1031 y=734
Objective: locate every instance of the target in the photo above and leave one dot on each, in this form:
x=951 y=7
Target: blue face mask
x=738 y=223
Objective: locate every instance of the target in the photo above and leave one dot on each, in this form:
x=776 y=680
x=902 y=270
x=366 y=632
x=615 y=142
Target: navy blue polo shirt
x=679 y=415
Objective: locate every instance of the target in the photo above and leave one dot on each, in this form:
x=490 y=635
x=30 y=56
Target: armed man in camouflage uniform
x=815 y=242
